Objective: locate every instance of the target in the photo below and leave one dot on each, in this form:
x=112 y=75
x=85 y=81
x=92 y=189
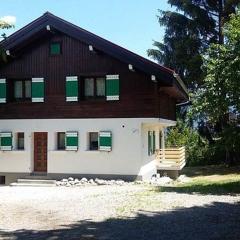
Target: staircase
x=33 y=182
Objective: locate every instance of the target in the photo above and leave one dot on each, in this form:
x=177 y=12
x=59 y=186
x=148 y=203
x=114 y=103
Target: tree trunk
x=221 y=4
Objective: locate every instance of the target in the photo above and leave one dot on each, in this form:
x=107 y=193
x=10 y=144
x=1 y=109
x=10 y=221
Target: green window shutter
x=71 y=141
x=72 y=89
x=3 y=90
x=154 y=142
x=105 y=141
x=6 y=141
x=37 y=89
x=149 y=143
x=112 y=87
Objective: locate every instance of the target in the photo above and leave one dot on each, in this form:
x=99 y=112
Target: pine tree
x=189 y=31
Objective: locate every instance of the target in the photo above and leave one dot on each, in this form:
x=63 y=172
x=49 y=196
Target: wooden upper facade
x=146 y=89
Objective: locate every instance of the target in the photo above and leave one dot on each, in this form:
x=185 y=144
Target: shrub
x=196 y=146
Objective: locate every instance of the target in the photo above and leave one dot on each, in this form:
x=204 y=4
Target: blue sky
x=130 y=23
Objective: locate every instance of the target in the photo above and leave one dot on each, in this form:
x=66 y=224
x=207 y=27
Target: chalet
x=75 y=104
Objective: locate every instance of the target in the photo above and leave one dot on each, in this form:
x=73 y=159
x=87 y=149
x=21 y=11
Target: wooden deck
x=170 y=158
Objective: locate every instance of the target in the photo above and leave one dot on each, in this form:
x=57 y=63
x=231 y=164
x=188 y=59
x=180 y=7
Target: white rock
x=83 y=180
x=58 y=183
x=91 y=181
x=70 y=179
x=153 y=179
x=100 y=181
x=120 y=182
x=76 y=181
x=64 y=180
x=184 y=179
x=112 y=182
x=138 y=182
x=162 y=181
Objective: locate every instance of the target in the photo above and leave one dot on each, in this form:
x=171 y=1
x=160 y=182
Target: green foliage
x=4 y=25
x=219 y=96
x=196 y=146
x=189 y=31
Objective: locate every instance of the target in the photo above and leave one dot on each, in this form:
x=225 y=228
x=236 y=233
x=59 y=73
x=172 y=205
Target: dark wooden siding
x=138 y=94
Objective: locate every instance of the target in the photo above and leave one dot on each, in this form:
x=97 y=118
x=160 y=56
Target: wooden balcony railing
x=170 y=158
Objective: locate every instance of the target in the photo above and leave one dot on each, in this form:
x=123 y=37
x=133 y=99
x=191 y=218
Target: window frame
x=90 y=148
x=23 y=98
x=50 y=48
x=95 y=96
x=58 y=141
x=18 y=141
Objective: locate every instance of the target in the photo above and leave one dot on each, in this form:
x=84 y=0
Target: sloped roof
x=31 y=31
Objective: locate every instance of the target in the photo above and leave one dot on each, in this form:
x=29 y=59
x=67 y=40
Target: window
x=55 y=48
x=93 y=141
x=20 y=141
x=22 y=90
x=2 y=180
x=94 y=87
x=61 y=140
x=89 y=87
x=151 y=143
x=100 y=87
x=160 y=139
x=18 y=89
x=154 y=142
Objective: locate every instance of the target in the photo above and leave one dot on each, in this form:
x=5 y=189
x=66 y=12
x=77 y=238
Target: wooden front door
x=40 y=152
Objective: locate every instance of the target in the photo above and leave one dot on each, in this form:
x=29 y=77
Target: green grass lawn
x=211 y=180
x=217 y=180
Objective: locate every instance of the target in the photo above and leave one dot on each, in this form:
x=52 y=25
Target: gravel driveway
x=116 y=212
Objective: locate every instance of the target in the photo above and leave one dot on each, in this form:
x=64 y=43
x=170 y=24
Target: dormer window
x=55 y=48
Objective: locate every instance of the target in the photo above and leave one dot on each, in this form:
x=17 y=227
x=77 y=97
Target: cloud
x=11 y=20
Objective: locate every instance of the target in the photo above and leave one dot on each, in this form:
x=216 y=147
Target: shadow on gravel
x=218 y=221
x=215 y=188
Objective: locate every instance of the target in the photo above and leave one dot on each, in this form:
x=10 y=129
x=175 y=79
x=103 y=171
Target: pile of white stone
x=155 y=180
x=160 y=181
x=69 y=182
x=165 y=180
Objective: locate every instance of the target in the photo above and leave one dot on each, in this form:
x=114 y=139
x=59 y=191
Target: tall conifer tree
x=190 y=29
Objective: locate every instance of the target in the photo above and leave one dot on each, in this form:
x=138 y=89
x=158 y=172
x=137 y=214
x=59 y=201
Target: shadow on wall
x=218 y=221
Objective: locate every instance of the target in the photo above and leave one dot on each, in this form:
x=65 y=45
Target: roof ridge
x=48 y=13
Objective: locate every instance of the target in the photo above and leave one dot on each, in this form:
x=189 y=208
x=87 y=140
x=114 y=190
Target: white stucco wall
x=129 y=155
x=15 y=161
